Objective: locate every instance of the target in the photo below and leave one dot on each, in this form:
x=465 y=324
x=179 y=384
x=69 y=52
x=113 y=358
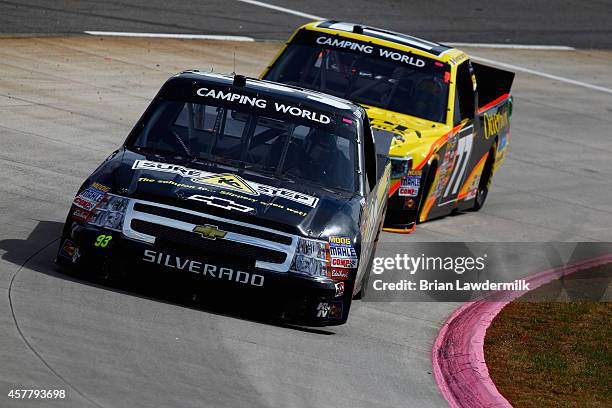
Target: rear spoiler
x=492 y=83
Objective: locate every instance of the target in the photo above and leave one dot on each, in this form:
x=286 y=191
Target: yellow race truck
x=449 y=116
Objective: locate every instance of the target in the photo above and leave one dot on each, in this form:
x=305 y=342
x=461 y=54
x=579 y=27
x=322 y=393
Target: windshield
x=287 y=146
x=383 y=78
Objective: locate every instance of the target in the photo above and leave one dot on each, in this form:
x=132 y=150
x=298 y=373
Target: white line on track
x=314 y=17
x=510 y=46
x=480 y=45
x=282 y=9
x=542 y=74
x=177 y=36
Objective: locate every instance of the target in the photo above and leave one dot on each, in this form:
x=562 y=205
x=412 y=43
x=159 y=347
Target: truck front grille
x=201 y=220
x=217 y=247
x=243 y=244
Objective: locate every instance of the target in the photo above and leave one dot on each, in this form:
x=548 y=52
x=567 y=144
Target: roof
x=381 y=36
x=276 y=90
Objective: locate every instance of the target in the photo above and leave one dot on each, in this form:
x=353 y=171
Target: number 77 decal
x=464 y=150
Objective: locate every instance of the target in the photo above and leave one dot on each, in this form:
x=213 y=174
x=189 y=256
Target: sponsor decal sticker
x=70 y=251
x=227 y=193
x=339 y=288
x=302 y=113
x=342 y=252
x=89 y=198
x=80 y=214
x=92 y=194
x=84 y=204
x=233 y=97
x=339 y=274
x=255 y=102
x=408 y=192
x=343 y=263
x=494 y=123
x=340 y=241
x=473 y=188
x=411 y=181
x=342 y=43
x=410 y=184
x=226 y=181
x=458 y=59
x=365 y=48
x=331 y=310
x=100 y=187
x=168 y=168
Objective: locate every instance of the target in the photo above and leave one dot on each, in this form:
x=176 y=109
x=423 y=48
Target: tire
x=366 y=276
x=485 y=181
x=364 y=283
x=431 y=175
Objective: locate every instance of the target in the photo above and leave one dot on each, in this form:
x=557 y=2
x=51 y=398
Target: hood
x=410 y=130
x=228 y=192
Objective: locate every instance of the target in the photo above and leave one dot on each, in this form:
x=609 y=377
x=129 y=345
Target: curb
x=459 y=366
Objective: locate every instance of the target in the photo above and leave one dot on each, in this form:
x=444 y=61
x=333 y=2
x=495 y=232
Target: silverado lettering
x=201 y=268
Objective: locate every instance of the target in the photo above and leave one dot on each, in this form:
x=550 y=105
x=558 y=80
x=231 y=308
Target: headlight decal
x=400 y=167
x=110 y=213
x=330 y=259
x=96 y=206
x=311 y=258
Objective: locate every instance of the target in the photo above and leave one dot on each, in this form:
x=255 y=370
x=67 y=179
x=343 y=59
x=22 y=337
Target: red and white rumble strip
x=459 y=365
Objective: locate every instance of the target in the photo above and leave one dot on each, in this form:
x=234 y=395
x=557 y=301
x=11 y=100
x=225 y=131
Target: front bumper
x=293 y=298
x=402 y=211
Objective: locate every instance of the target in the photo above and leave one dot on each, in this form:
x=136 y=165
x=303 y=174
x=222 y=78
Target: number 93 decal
x=103 y=240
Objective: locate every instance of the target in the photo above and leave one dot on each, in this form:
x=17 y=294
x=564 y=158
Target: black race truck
x=243 y=185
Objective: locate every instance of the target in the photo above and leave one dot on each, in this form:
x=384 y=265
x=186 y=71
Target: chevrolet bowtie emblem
x=209 y=231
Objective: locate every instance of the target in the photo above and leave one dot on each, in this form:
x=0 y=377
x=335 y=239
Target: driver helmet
x=320 y=146
x=431 y=86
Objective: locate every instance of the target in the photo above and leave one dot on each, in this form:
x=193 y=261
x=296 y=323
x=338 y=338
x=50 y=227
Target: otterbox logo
x=229 y=181
x=209 y=231
x=494 y=123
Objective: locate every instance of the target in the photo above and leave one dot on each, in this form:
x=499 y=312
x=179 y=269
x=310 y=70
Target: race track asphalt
x=67 y=102
x=584 y=24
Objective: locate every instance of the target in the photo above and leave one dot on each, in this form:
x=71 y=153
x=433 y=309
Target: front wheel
x=366 y=276
x=365 y=280
x=429 y=181
x=485 y=181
